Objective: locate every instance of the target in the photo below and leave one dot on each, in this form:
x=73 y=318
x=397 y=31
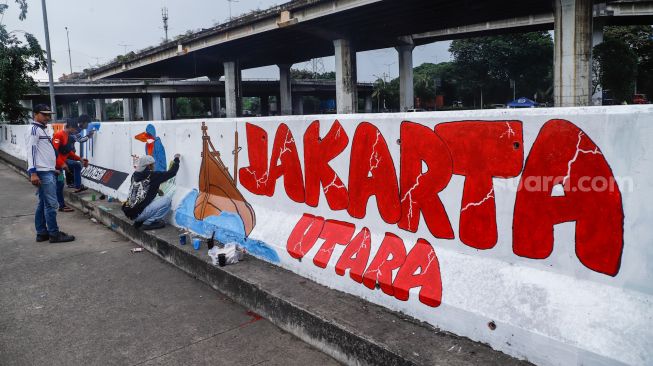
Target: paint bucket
x=197 y=243
x=182 y=239
x=222 y=260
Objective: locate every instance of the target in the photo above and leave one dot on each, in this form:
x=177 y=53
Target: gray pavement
x=93 y=302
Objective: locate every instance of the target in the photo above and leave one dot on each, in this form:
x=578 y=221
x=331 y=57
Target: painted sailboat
x=217 y=188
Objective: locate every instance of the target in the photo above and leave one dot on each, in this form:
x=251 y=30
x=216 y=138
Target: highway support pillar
x=82 y=107
x=167 y=108
x=572 y=53
x=285 y=93
x=216 y=107
x=157 y=107
x=406 y=92
x=597 y=39
x=368 y=103
x=67 y=110
x=298 y=105
x=100 y=110
x=232 y=90
x=127 y=110
x=265 y=105
x=346 y=91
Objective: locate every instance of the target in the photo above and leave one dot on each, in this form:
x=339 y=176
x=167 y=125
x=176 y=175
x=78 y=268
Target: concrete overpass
x=153 y=99
x=306 y=29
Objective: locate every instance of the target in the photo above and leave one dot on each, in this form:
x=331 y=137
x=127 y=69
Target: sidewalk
x=345 y=327
x=93 y=302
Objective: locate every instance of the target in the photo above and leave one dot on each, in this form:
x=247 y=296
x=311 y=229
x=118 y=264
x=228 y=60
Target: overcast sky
x=101 y=30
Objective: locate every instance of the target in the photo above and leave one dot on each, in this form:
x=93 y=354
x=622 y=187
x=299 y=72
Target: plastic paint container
x=182 y=239
x=197 y=243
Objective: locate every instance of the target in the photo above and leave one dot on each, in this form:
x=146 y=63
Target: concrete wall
x=557 y=272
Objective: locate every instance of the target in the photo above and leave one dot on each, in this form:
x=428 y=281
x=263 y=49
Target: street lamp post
x=47 y=48
x=70 y=60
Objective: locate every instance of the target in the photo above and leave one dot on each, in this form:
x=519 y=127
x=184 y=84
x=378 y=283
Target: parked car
x=415 y=110
x=640 y=99
x=497 y=106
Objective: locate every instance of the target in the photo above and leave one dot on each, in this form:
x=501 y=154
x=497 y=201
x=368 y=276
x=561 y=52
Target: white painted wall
x=553 y=311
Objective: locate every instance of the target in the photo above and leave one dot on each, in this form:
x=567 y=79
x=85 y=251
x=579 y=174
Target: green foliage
x=114 y=110
x=487 y=64
x=618 y=66
x=425 y=76
x=191 y=107
x=624 y=61
x=309 y=75
x=18 y=59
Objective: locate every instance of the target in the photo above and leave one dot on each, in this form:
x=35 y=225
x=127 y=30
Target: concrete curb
x=349 y=329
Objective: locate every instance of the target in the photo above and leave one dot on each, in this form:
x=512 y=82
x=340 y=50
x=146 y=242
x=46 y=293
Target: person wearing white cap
x=143 y=206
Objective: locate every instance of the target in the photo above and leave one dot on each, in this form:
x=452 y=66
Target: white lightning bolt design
x=284 y=149
x=298 y=247
x=374 y=158
x=409 y=195
x=430 y=258
x=338 y=132
x=487 y=197
x=333 y=184
x=509 y=132
x=366 y=238
x=259 y=181
x=578 y=152
x=378 y=271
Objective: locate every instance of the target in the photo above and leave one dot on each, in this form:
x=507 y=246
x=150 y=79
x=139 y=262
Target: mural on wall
x=478 y=150
x=219 y=208
x=153 y=147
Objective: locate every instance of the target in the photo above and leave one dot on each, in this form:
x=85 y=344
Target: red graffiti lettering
x=372 y=173
x=390 y=256
x=334 y=232
x=317 y=155
x=284 y=151
x=355 y=256
x=421 y=257
x=304 y=235
x=480 y=151
x=564 y=155
x=419 y=189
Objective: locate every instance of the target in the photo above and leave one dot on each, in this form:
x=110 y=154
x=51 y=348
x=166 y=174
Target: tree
x=425 y=76
x=296 y=74
x=623 y=63
x=617 y=67
x=485 y=65
x=18 y=60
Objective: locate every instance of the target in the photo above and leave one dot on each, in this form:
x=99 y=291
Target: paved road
x=93 y=302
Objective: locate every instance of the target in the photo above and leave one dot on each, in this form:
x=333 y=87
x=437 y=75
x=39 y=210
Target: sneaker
x=42 y=237
x=80 y=189
x=70 y=186
x=137 y=224
x=65 y=209
x=155 y=225
x=61 y=237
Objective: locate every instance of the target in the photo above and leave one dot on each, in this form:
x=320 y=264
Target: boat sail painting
x=217 y=207
x=218 y=191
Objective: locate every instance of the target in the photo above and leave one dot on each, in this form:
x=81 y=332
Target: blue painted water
x=228 y=227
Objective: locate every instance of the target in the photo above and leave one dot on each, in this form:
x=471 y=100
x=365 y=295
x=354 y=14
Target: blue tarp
x=522 y=103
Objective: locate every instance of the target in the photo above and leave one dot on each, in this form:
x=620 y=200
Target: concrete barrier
x=524 y=229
